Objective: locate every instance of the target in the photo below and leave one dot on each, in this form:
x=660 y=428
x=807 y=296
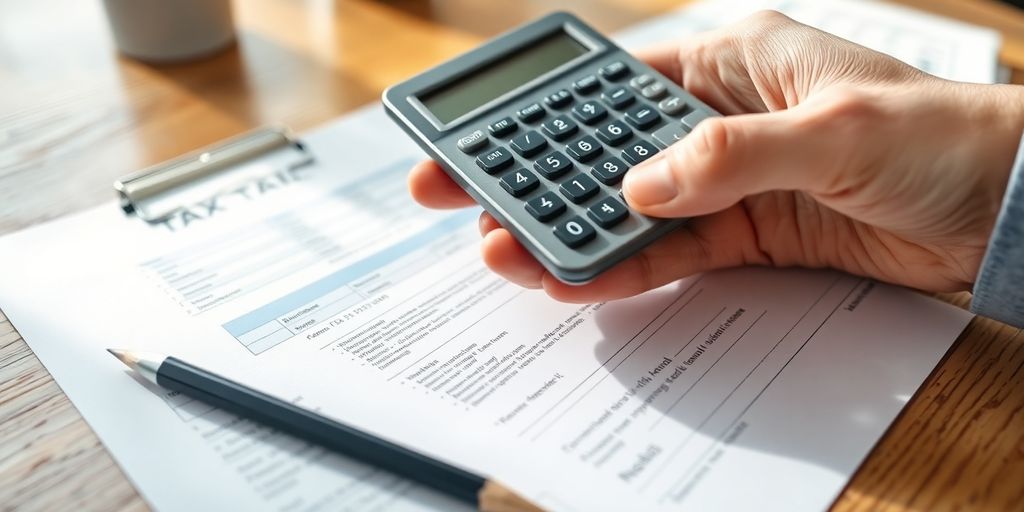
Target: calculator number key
x=529 y=143
x=584 y=148
x=575 y=231
x=519 y=182
x=607 y=212
x=614 y=133
x=638 y=151
x=553 y=165
x=546 y=206
x=560 y=127
x=589 y=112
x=579 y=188
x=642 y=117
x=610 y=170
x=495 y=160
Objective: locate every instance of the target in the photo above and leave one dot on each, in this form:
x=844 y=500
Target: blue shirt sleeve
x=999 y=289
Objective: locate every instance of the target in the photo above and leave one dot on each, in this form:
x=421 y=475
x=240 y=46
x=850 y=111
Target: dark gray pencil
x=177 y=375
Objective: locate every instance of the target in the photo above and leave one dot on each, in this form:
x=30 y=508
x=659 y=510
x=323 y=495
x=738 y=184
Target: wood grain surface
x=74 y=116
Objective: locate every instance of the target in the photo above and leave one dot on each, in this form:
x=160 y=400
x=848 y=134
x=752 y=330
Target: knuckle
x=708 y=153
x=849 y=110
x=766 y=20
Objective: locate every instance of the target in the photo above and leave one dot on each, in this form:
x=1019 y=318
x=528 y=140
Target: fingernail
x=650 y=183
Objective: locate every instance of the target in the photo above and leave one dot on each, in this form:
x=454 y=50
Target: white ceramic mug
x=170 y=30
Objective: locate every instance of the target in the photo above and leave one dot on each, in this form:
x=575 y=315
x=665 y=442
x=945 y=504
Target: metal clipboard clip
x=155 y=193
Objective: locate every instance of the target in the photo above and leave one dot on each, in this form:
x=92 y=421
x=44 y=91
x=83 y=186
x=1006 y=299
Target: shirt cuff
x=999 y=289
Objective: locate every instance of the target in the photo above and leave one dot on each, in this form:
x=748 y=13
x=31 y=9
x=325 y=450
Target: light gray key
x=672 y=105
x=692 y=119
x=669 y=134
x=640 y=81
x=472 y=142
x=654 y=91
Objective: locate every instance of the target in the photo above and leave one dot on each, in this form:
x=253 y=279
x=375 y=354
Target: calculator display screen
x=461 y=96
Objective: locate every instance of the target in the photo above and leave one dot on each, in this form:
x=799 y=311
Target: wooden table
x=73 y=116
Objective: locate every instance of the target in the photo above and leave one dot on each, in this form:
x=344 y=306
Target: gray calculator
x=539 y=125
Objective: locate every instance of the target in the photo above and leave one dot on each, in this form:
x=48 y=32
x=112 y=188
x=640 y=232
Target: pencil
x=177 y=375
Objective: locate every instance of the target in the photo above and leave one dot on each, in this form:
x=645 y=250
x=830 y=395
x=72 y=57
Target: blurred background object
x=170 y=30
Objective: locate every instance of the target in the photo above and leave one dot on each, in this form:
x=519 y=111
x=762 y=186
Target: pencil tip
x=123 y=355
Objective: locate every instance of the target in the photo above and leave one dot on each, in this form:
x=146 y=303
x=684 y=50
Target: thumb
x=728 y=158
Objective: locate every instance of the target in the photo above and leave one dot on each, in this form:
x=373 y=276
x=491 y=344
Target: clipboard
x=158 y=192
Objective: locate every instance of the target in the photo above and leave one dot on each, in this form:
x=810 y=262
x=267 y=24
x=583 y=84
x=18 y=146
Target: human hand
x=831 y=155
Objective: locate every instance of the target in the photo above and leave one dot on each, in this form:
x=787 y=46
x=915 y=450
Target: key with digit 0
x=539 y=126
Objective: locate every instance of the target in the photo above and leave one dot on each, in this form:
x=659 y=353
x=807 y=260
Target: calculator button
x=642 y=117
x=609 y=170
x=529 y=143
x=575 y=231
x=640 y=81
x=560 y=127
x=531 y=112
x=545 y=206
x=495 y=160
x=586 y=84
x=614 y=71
x=618 y=98
x=693 y=118
x=607 y=212
x=473 y=142
x=584 y=148
x=672 y=106
x=638 y=151
x=553 y=165
x=654 y=91
x=614 y=133
x=519 y=182
x=669 y=134
x=579 y=188
x=502 y=127
x=558 y=99
x=589 y=112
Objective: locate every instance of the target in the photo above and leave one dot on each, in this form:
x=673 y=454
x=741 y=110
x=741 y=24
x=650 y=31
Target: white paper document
x=327 y=286
x=745 y=388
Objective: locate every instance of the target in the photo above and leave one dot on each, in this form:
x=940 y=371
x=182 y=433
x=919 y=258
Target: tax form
x=744 y=388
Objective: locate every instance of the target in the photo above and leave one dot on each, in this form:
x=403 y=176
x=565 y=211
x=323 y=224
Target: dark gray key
x=614 y=71
x=642 y=117
x=589 y=112
x=586 y=84
x=575 y=231
x=618 y=98
x=607 y=212
x=609 y=170
x=495 y=160
x=553 y=165
x=531 y=112
x=669 y=134
x=502 y=127
x=558 y=99
x=638 y=151
x=546 y=206
x=672 y=106
x=529 y=143
x=614 y=133
x=560 y=128
x=519 y=182
x=579 y=188
x=584 y=148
